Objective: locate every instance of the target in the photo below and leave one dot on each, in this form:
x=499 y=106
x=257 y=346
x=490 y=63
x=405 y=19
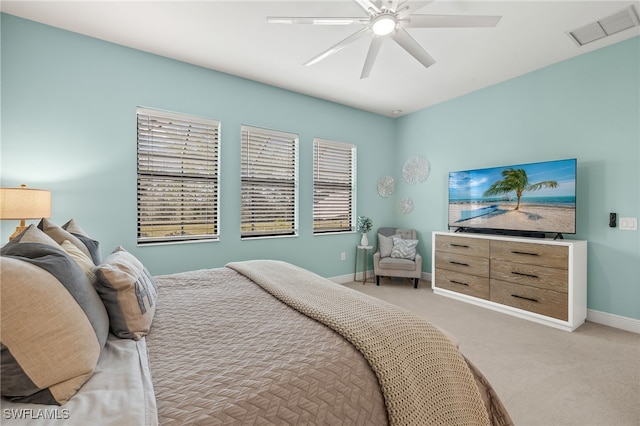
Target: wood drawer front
x=463 y=283
x=465 y=264
x=548 y=255
x=532 y=299
x=532 y=275
x=462 y=245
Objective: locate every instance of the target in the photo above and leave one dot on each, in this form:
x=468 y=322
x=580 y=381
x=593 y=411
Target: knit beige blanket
x=424 y=378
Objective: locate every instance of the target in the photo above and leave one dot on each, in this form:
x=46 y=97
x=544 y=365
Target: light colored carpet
x=544 y=376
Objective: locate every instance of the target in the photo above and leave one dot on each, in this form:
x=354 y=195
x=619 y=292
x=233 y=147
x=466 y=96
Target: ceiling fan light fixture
x=383 y=24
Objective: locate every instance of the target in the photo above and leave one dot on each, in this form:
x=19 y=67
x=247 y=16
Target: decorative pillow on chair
x=129 y=292
x=385 y=245
x=54 y=324
x=404 y=249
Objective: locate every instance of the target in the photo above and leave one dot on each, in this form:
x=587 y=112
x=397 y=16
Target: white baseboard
x=343 y=279
x=612 y=320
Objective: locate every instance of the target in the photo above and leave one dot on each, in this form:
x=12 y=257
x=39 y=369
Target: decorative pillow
x=59 y=235
x=385 y=245
x=54 y=324
x=92 y=245
x=129 y=293
x=404 y=249
x=83 y=261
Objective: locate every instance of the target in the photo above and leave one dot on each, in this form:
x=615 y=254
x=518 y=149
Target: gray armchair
x=398 y=261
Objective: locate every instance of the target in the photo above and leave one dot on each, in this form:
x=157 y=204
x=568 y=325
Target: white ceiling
x=234 y=37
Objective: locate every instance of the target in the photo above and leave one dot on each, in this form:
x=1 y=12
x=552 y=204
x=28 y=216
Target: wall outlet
x=343 y=256
x=628 y=223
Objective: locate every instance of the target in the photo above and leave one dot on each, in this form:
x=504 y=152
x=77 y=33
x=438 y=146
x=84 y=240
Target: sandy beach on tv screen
x=530 y=217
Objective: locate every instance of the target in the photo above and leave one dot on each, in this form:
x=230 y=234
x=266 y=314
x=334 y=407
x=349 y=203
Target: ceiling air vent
x=625 y=19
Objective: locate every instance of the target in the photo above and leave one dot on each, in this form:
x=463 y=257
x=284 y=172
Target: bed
x=257 y=342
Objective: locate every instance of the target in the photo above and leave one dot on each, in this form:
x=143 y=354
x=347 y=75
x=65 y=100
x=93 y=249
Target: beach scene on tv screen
x=537 y=197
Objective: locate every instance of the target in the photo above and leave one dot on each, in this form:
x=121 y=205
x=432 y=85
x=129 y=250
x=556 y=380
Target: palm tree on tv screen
x=518 y=181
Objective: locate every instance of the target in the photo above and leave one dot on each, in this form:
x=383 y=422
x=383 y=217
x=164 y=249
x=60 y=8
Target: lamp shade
x=24 y=203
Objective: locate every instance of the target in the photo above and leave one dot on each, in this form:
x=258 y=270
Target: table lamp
x=24 y=203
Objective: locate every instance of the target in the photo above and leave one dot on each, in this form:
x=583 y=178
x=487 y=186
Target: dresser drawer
x=465 y=264
x=470 y=285
x=548 y=255
x=533 y=299
x=531 y=275
x=462 y=245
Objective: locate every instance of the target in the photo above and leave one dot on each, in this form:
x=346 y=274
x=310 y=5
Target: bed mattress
x=118 y=393
x=224 y=351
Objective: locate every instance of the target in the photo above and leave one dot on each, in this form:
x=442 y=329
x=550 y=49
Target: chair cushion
x=404 y=249
x=398 y=264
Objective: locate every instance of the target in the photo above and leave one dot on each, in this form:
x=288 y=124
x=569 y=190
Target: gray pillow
x=92 y=245
x=129 y=293
x=54 y=324
x=404 y=249
x=59 y=235
x=385 y=245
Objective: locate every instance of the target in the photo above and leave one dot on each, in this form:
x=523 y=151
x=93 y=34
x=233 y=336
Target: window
x=269 y=191
x=177 y=177
x=333 y=186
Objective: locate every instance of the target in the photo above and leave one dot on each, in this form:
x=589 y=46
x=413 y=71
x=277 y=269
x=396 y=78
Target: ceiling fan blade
x=369 y=6
x=316 y=20
x=450 y=21
x=390 y=5
x=338 y=46
x=374 y=48
x=403 y=38
x=406 y=8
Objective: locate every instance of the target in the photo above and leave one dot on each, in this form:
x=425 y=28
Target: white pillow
x=84 y=261
x=404 y=249
x=385 y=245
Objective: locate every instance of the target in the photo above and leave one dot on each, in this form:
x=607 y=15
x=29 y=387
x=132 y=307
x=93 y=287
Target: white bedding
x=123 y=396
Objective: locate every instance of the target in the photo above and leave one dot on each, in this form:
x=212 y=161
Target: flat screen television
x=523 y=199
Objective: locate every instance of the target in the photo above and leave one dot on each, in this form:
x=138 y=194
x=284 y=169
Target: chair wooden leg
x=415 y=284
x=377 y=279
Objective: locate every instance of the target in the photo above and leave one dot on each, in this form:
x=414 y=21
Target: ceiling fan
x=388 y=18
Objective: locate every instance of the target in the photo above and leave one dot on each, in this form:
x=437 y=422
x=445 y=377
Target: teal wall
x=68 y=124
x=587 y=108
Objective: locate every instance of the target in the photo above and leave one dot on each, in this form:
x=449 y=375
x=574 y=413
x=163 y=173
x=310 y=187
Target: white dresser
x=539 y=279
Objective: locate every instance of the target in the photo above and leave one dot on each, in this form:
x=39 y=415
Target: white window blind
x=269 y=192
x=178 y=158
x=333 y=186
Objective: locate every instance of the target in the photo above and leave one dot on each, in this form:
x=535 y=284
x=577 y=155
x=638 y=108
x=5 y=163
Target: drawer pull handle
x=522 y=274
x=524 y=252
x=530 y=299
x=459 y=245
x=459 y=282
x=453 y=262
